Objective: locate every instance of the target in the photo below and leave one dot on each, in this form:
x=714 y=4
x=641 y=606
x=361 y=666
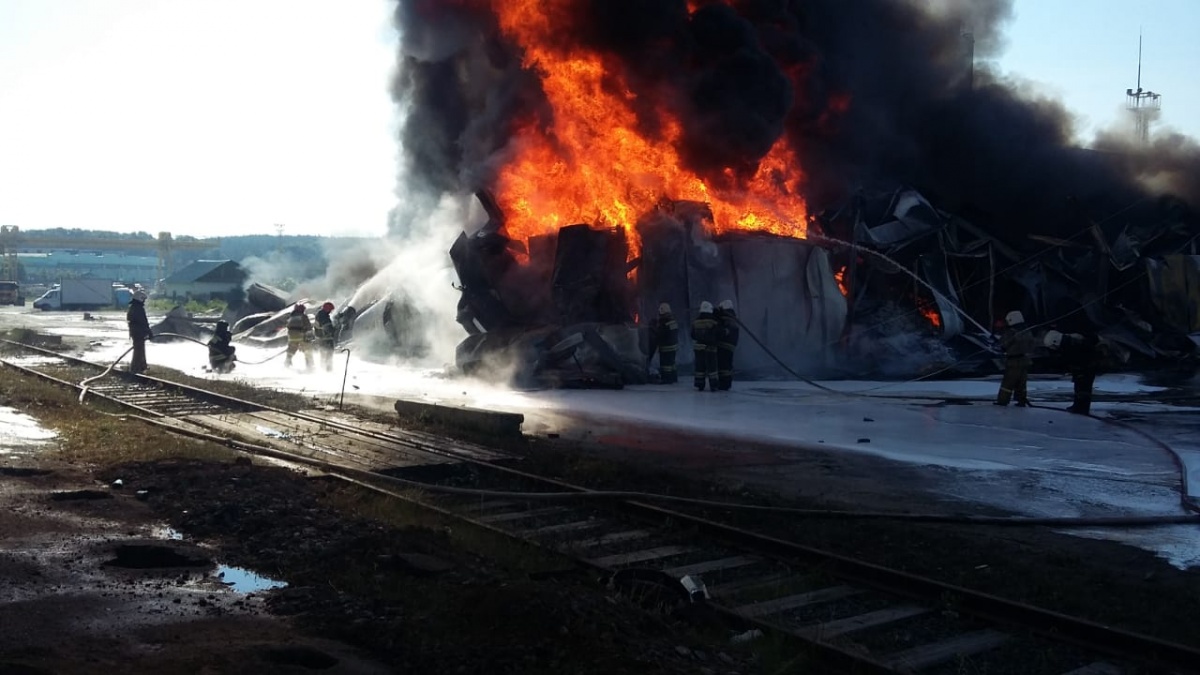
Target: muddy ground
x=112 y=534
x=375 y=588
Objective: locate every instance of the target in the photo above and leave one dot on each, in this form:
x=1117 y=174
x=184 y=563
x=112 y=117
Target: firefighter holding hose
x=1018 y=344
x=704 y=346
x=139 y=330
x=727 y=339
x=221 y=352
x=664 y=338
x=300 y=336
x=326 y=335
x=1082 y=355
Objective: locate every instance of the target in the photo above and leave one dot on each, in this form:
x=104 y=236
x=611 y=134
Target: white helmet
x=706 y=307
x=664 y=308
x=1053 y=339
x=726 y=304
x=1014 y=318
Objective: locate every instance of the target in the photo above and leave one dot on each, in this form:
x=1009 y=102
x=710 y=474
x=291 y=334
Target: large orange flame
x=595 y=164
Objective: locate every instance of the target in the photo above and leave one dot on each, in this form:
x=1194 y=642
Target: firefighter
x=1082 y=355
x=704 y=344
x=326 y=335
x=664 y=338
x=1018 y=344
x=727 y=339
x=299 y=335
x=139 y=330
x=221 y=350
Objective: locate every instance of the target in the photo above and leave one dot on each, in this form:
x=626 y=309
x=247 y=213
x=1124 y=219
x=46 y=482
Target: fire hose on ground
x=357 y=476
x=372 y=480
x=1186 y=500
x=84 y=383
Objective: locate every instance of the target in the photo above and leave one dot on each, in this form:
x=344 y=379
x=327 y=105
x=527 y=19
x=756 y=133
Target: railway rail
x=851 y=616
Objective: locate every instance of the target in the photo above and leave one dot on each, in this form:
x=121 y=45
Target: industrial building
x=205 y=280
x=52 y=266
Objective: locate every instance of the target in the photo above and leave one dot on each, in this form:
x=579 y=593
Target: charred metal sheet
x=1124 y=336
x=480 y=262
x=1174 y=286
x=589 y=282
x=936 y=273
x=266 y=298
x=393 y=326
x=829 y=306
x=910 y=217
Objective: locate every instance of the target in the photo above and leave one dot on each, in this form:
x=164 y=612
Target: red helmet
x=328 y=307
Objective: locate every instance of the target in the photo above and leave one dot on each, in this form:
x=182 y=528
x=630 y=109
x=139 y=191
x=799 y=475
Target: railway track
x=851 y=616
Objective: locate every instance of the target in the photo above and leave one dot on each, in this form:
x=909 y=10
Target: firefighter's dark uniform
x=220 y=350
x=1018 y=344
x=326 y=338
x=139 y=332
x=1082 y=355
x=727 y=339
x=704 y=346
x=664 y=336
x=299 y=333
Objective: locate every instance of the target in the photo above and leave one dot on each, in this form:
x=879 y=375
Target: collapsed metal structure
x=569 y=309
x=1134 y=281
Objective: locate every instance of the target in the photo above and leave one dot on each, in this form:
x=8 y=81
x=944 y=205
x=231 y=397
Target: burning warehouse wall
x=773 y=115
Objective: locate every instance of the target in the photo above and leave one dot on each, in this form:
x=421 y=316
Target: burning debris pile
x=1133 y=280
x=632 y=152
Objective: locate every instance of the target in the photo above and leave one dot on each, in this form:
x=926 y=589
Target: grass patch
x=93 y=434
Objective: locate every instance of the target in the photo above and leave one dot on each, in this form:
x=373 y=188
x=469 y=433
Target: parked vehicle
x=74 y=294
x=10 y=293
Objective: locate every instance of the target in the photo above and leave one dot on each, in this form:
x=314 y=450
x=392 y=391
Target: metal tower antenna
x=1139 y=59
x=1145 y=106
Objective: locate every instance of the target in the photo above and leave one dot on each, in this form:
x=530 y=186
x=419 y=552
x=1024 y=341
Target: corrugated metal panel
x=1174 y=286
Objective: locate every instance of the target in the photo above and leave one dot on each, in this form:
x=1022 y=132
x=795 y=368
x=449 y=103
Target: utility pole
x=278 y=237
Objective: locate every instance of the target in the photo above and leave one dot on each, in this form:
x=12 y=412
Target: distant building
x=53 y=266
x=205 y=280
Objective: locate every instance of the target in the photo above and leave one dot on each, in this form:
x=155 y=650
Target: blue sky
x=1085 y=52
x=218 y=117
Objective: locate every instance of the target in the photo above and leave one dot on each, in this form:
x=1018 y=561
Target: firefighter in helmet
x=1018 y=344
x=139 y=330
x=220 y=349
x=704 y=346
x=299 y=335
x=727 y=339
x=1082 y=355
x=326 y=335
x=664 y=338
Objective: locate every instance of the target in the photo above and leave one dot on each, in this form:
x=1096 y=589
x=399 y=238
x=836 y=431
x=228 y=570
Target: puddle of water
x=19 y=431
x=244 y=581
x=270 y=433
x=165 y=532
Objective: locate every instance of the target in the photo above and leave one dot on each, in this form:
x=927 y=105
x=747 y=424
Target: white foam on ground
x=20 y=432
x=1029 y=461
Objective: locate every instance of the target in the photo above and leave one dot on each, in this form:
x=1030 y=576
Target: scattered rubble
x=886 y=285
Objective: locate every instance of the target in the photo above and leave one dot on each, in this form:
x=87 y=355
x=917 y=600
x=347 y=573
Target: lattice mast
x=1144 y=105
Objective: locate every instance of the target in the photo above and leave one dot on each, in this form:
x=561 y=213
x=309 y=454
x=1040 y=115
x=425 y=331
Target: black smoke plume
x=869 y=93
